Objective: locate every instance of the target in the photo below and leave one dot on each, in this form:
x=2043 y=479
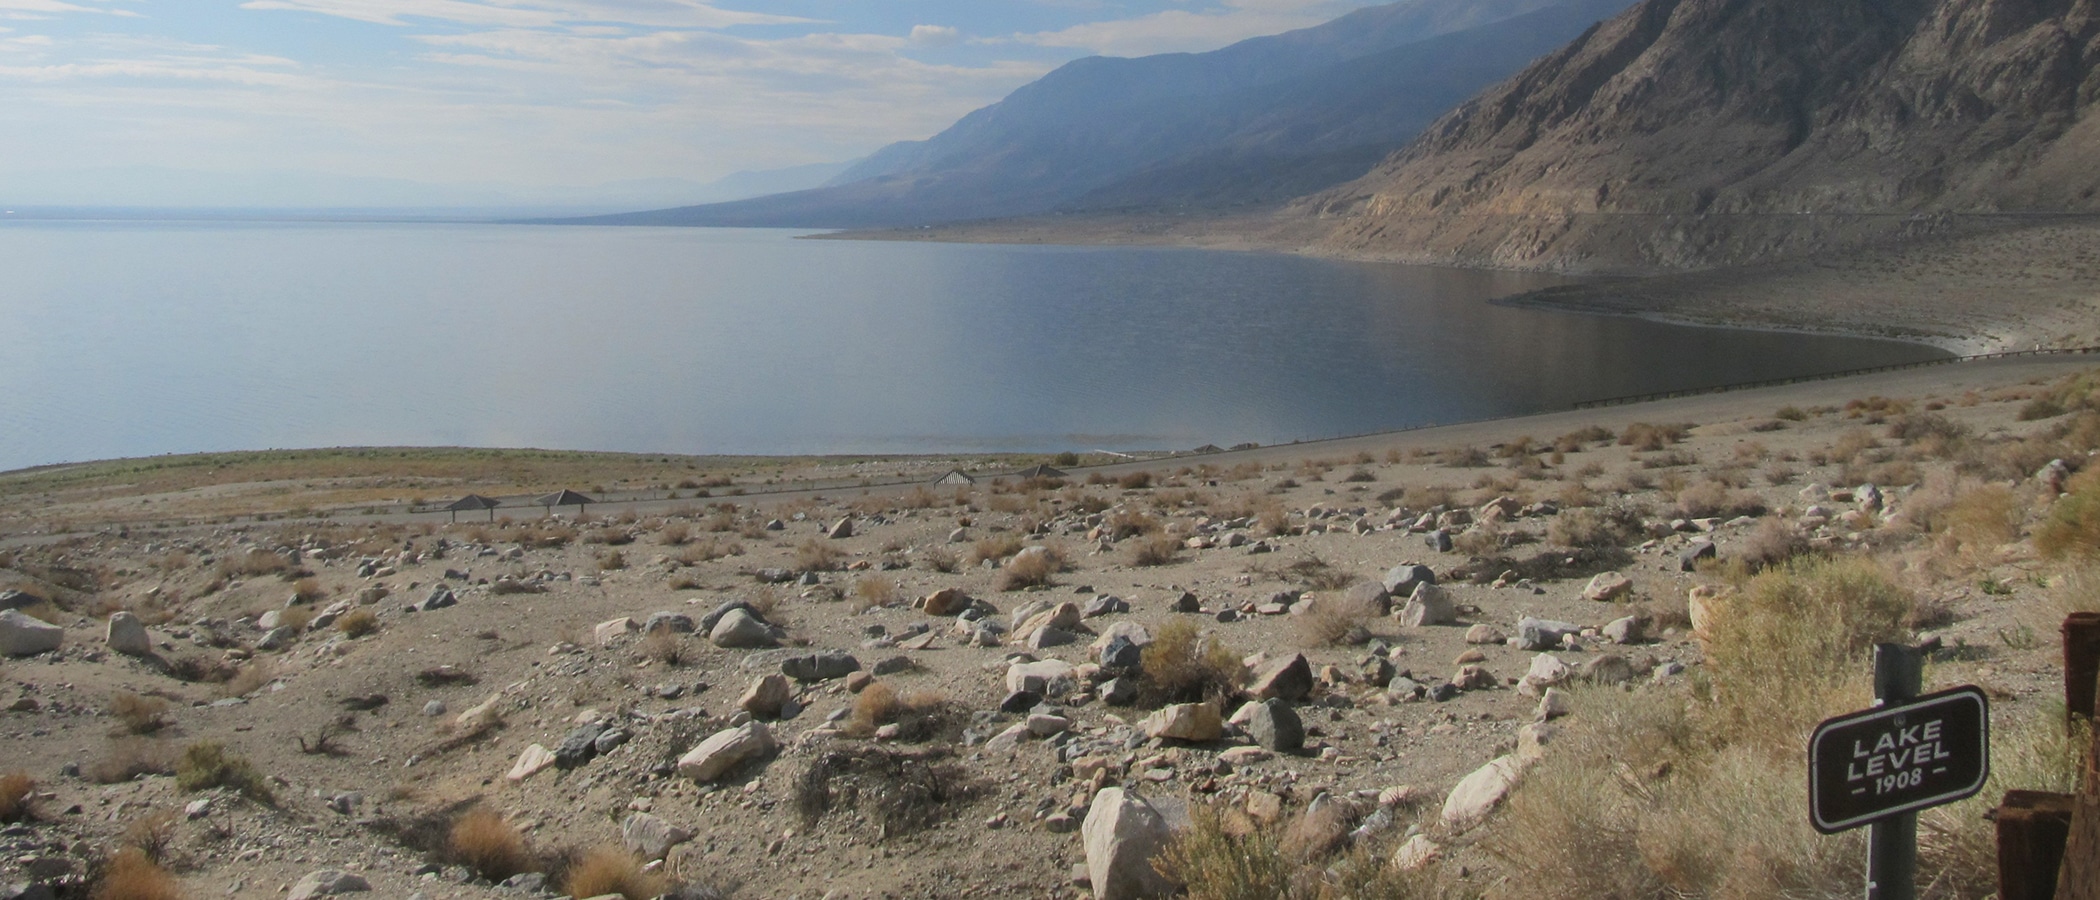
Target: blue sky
x=545 y=92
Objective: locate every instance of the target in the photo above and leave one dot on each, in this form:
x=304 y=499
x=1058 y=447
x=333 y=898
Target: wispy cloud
x=42 y=9
x=526 y=13
x=1181 y=30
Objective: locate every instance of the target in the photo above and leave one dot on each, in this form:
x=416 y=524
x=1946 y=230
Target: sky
x=545 y=92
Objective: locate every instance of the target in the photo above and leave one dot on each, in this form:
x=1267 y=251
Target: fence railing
x=1826 y=376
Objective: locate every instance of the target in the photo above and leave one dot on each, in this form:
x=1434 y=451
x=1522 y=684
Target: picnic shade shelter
x=565 y=497
x=470 y=503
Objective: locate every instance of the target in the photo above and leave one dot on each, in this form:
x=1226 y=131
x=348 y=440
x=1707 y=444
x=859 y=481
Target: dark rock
x=1689 y=560
x=1119 y=691
x=819 y=666
x=440 y=597
x=707 y=622
x=677 y=622
x=1290 y=680
x=1401 y=580
x=892 y=665
x=1439 y=540
x=1020 y=702
x=1122 y=654
x=1443 y=692
x=1275 y=726
x=1187 y=603
x=579 y=747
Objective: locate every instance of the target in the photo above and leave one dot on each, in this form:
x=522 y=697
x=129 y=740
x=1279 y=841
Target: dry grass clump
x=871 y=592
x=939 y=559
x=817 y=556
x=1466 y=457
x=254 y=564
x=667 y=647
x=674 y=534
x=1034 y=567
x=1575 y=441
x=130 y=875
x=1182 y=665
x=481 y=840
x=612 y=561
x=308 y=590
x=1648 y=436
x=1772 y=543
x=2072 y=527
x=357 y=623
x=1595 y=527
x=1336 y=620
x=900 y=792
x=608 y=869
x=129 y=758
x=247 y=679
x=1789 y=648
x=139 y=714
x=1154 y=550
x=1713 y=498
x=995 y=547
x=15 y=788
x=919 y=715
x=1223 y=856
x=207 y=764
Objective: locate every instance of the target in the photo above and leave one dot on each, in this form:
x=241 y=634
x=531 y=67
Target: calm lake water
x=133 y=339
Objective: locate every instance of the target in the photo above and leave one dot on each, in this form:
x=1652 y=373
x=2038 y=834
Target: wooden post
x=2081 y=664
x=2031 y=830
x=1892 y=843
x=2079 y=877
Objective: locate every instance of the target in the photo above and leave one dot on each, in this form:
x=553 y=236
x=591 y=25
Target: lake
x=142 y=338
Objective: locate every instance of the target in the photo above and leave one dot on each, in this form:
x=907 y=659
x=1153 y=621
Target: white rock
x=1196 y=722
x=1418 y=852
x=1546 y=671
x=1608 y=586
x=127 y=635
x=1122 y=833
x=1477 y=794
x=1043 y=725
x=650 y=837
x=25 y=635
x=1040 y=677
x=766 y=696
x=530 y=762
x=614 y=629
x=726 y=750
x=327 y=882
x=1429 y=605
x=1554 y=704
x=482 y=715
x=738 y=629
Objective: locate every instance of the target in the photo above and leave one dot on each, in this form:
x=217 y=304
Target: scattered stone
x=1627 y=630
x=613 y=629
x=738 y=630
x=1689 y=560
x=1105 y=605
x=1048 y=678
x=127 y=635
x=1245 y=756
x=1474 y=678
x=328 y=882
x=1193 y=722
x=893 y=665
x=530 y=763
x=1554 y=704
x=24 y=635
x=439 y=598
x=1546 y=671
x=726 y=750
x=1478 y=794
x=1539 y=634
x=842 y=530
x=1186 y=603
x=668 y=621
x=1291 y=680
x=1119 y=691
x=945 y=602
x=1401 y=580
x=276 y=639
x=650 y=837
x=1609 y=668
x=1122 y=655
x=579 y=746
x=1607 y=586
x=1275 y=726
x=819 y=666
x=1122 y=833
x=1430 y=604
x=1043 y=725
x=1533 y=738
x=1018 y=702
x=609 y=740
x=1484 y=633
x=1418 y=853
x=197 y=809
x=1439 y=540
x=434 y=708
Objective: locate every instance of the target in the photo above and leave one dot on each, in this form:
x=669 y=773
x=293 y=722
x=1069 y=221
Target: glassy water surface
x=133 y=339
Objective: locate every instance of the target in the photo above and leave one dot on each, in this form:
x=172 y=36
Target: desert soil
x=528 y=632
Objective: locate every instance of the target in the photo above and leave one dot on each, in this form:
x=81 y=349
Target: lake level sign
x=1898 y=758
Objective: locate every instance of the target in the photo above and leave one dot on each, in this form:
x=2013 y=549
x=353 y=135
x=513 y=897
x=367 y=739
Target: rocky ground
x=943 y=692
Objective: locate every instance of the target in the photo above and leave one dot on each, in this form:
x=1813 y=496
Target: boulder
x=668 y=621
x=1194 y=722
x=1609 y=668
x=1105 y=605
x=613 y=629
x=1121 y=655
x=1119 y=691
x=1539 y=634
x=439 y=598
x=1478 y=794
x=1291 y=680
x=24 y=635
x=1484 y=633
x=1430 y=604
x=579 y=746
x=1607 y=586
x=1417 y=853
x=1369 y=595
x=1048 y=678
x=708 y=622
x=945 y=602
x=840 y=530
x=650 y=837
x=1130 y=631
x=1546 y=671
x=1401 y=580
x=1625 y=630
x=485 y=714
x=530 y=763
x=1276 y=726
x=328 y=882
x=766 y=696
x=740 y=630
x=1554 y=704
x=1122 y=833
x=726 y=750
x=819 y=666
x=1064 y=617
x=127 y=635
x=1700 y=551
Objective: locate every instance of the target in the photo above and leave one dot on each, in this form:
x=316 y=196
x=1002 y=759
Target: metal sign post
x=1880 y=766
x=1892 y=843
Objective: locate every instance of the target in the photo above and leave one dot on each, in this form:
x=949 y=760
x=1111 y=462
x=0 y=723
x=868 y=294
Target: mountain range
x=1693 y=133
x=1259 y=122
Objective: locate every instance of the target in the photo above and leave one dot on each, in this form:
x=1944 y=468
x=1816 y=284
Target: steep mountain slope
x=1260 y=121
x=1688 y=133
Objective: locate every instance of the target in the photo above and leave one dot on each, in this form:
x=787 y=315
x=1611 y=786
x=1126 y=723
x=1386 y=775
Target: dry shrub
x=1479 y=541
x=139 y=714
x=1467 y=457
x=1595 y=527
x=1336 y=619
x=1182 y=665
x=151 y=833
x=207 y=764
x=1851 y=444
x=708 y=551
x=875 y=706
x=253 y=564
x=995 y=547
x=612 y=561
x=668 y=647
x=1222 y=856
x=2072 y=527
x=1647 y=436
x=1789 y=649
x=246 y=679
x=1135 y=481
x=871 y=592
x=1155 y=550
x=608 y=536
x=1273 y=520
x=130 y=875
x=612 y=870
x=1576 y=495
x=900 y=792
x=507 y=585
x=939 y=559
x=1317 y=574
x=817 y=556
x=673 y=534
x=1715 y=499
x=1772 y=543
x=357 y=623
x=129 y=758
x=1031 y=569
x=481 y=840
x=15 y=788
x=1575 y=441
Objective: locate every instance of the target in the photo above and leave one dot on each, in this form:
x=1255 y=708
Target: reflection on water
x=143 y=338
